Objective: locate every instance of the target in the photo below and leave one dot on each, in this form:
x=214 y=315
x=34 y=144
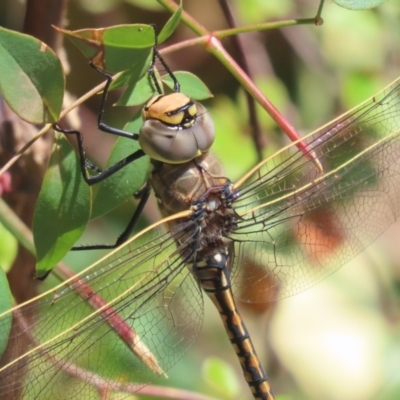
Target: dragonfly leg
x=124 y=236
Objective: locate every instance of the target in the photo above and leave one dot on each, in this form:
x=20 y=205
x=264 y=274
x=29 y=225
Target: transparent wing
x=299 y=224
x=139 y=302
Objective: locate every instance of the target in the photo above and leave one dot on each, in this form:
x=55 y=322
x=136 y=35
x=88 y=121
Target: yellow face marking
x=170 y=109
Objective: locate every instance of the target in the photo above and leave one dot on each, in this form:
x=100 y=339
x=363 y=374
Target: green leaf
x=62 y=209
x=115 y=48
x=8 y=248
x=359 y=4
x=125 y=183
x=125 y=78
x=221 y=376
x=5 y=305
x=137 y=92
x=191 y=85
x=31 y=77
x=171 y=25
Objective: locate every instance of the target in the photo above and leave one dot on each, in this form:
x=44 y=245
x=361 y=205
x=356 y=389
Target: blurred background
x=340 y=339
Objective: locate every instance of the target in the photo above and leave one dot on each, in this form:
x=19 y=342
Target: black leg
x=102 y=126
x=124 y=236
x=156 y=54
x=86 y=163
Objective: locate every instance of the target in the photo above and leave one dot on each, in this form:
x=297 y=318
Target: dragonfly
x=281 y=228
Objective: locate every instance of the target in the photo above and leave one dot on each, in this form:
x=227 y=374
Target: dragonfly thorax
x=176 y=129
x=199 y=186
x=178 y=187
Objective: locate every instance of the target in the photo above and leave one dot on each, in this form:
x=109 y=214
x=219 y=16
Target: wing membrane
x=140 y=290
x=299 y=224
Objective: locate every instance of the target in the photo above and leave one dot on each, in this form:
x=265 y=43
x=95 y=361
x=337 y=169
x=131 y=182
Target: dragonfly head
x=176 y=129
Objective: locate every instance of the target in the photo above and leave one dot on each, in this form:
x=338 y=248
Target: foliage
x=310 y=73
